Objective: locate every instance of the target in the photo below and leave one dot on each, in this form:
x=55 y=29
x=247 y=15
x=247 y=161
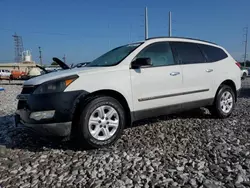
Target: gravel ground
x=184 y=150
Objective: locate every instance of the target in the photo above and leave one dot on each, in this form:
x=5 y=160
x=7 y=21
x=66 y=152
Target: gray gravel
x=185 y=150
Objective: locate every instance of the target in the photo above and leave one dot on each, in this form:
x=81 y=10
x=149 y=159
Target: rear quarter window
x=213 y=53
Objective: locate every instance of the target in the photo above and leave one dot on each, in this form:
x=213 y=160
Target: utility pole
x=109 y=43
x=130 y=34
x=146 y=23
x=64 y=58
x=40 y=55
x=170 y=24
x=246 y=41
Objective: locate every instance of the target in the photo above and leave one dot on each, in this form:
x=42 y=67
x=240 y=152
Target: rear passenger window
x=188 y=53
x=213 y=53
x=160 y=54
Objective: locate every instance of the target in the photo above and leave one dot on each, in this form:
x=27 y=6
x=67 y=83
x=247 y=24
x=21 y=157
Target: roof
x=181 y=38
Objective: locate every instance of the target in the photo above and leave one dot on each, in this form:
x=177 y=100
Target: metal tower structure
x=18 y=44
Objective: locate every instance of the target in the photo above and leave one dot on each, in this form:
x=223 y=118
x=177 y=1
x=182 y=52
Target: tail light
x=238 y=64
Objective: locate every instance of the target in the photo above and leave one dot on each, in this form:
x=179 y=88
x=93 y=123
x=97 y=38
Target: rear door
x=223 y=65
x=198 y=74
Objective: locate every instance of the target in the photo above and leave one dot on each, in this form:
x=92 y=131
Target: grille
x=22 y=105
x=28 y=89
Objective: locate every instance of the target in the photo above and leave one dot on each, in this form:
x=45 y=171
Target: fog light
x=42 y=115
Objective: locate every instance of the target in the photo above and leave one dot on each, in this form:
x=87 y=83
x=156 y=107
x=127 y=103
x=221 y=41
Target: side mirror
x=141 y=62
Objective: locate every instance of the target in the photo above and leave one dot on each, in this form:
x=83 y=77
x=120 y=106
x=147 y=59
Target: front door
x=157 y=86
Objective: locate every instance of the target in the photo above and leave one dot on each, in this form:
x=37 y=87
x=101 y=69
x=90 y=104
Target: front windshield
x=114 y=56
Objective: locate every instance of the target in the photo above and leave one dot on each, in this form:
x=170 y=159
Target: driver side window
x=160 y=54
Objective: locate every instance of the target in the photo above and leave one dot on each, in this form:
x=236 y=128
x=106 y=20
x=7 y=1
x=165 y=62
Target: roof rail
x=181 y=38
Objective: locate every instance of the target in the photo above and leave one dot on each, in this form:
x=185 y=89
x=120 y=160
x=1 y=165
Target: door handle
x=174 y=73
x=209 y=70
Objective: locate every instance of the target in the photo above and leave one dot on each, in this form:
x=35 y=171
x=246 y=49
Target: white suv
x=132 y=82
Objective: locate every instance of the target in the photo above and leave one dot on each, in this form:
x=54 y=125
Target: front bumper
x=52 y=129
x=63 y=104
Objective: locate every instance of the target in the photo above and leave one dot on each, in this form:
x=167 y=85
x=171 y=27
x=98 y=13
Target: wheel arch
x=84 y=99
x=229 y=83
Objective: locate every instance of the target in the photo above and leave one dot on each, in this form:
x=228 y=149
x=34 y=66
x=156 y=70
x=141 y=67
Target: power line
x=35 y=32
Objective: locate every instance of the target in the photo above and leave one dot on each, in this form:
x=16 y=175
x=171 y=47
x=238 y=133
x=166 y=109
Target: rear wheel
x=244 y=76
x=101 y=122
x=224 y=102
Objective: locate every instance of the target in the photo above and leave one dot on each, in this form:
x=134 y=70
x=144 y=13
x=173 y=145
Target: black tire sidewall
x=244 y=75
x=86 y=113
x=218 y=98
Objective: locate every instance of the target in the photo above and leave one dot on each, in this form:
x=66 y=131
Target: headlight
x=55 y=86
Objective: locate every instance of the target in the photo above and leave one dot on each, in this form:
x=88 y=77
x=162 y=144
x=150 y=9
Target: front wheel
x=101 y=122
x=224 y=102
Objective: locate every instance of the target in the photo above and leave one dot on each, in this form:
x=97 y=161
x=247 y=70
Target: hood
x=60 y=63
x=59 y=74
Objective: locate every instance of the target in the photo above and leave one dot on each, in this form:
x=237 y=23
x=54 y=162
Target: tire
x=86 y=137
x=217 y=109
x=244 y=76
